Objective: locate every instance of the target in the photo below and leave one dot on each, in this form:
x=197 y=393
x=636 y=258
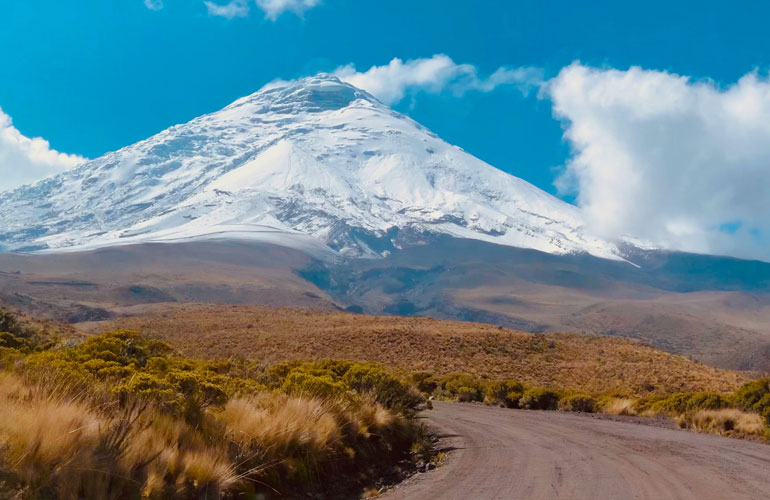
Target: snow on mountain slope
x=316 y=164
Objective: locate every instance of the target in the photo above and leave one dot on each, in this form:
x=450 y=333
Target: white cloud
x=680 y=163
x=274 y=8
x=390 y=83
x=235 y=8
x=24 y=160
x=153 y=4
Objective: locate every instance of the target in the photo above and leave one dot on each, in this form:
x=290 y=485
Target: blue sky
x=92 y=76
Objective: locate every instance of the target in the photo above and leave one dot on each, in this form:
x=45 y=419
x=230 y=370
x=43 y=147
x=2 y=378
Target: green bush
x=499 y=393
x=539 y=399
x=467 y=394
x=462 y=387
x=578 y=402
x=424 y=382
x=9 y=323
x=344 y=379
x=707 y=401
x=513 y=399
x=754 y=396
x=299 y=382
x=750 y=394
x=130 y=366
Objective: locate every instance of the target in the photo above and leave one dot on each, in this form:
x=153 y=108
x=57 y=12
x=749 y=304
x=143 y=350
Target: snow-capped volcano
x=315 y=163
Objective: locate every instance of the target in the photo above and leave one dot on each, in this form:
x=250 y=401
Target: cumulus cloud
x=153 y=4
x=391 y=82
x=680 y=163
x=274 y=8
x=24 y=160
x=235 y=8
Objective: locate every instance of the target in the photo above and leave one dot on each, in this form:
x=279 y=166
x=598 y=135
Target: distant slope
x=317 y=165
x=272 y=335
x=673 y=301
x=96 y=285
x=716 y=309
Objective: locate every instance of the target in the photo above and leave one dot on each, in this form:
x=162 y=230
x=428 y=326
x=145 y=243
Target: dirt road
x=514 y=454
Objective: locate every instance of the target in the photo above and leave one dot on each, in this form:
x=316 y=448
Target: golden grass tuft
x=619 y=406
x=42 y=436
x=208 y=467
x=725 y=421
x=282 y=424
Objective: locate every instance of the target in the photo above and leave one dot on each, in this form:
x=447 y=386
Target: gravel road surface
x=516 y=454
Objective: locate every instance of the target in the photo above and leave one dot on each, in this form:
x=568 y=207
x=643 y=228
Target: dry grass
x=727 y=421
x=44 y=436
x=283 y=424
x=60 y=446
x=619 y=406
x=567 y=361
x=55 y=445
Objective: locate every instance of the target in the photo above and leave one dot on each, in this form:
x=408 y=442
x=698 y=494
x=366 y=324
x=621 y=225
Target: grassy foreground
x=122 y=416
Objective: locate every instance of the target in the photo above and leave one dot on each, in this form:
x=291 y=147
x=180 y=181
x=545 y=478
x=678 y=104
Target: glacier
x=314 y=164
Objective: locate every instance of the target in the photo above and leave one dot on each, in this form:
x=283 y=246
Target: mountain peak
x=322 y=92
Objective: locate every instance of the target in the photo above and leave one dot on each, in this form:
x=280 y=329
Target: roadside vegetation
x=122 y=416
x=744 y=413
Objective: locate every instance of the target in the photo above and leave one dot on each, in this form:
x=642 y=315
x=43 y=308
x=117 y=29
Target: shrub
x=681 y=402
x=754 y=396
x=384 y=388
x=539 y=399
x=467 y=394
x=424 y=382
x=505 y=393
x=463 y=387
x=300 y=382
x=10 y=323
x=513 y=399
x=579 y=403
x=346 y=380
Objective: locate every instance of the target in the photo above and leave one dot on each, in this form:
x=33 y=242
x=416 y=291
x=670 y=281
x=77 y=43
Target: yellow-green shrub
x=506 y=393
x=681 y=402
x=539 y=399
x=462 y=387
x=579 y=403
x=344 y=379
x=424 y=382
x=754 y=396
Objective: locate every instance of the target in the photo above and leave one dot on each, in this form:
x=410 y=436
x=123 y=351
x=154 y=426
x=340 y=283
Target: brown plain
x=566 y=361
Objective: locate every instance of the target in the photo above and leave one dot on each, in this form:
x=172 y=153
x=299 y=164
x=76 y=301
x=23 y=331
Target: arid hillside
x=714 y=310
x=569 y=361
